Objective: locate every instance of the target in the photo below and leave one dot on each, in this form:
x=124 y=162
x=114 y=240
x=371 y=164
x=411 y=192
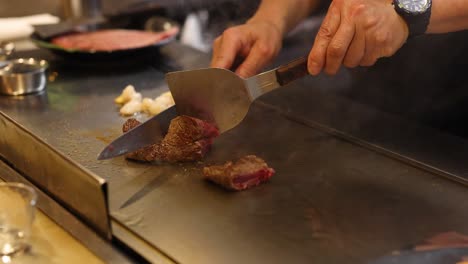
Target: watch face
x=414 y=6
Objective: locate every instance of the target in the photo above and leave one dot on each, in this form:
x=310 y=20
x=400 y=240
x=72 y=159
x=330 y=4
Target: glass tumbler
x=17 y=208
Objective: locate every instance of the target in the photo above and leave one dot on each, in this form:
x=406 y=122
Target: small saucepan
x=22 y=76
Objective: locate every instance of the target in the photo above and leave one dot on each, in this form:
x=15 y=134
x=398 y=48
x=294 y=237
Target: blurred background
x=203 y=19
x=55 y=7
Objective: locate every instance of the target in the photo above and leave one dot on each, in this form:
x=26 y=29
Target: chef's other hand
x=256 y=41
x=356 y=33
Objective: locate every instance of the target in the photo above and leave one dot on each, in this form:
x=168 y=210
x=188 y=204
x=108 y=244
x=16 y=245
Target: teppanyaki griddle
x=332 y=199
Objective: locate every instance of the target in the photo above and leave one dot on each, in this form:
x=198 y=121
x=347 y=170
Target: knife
x=147 y=133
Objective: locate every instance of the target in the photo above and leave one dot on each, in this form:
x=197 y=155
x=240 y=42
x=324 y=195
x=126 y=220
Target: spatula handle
x=292 y=71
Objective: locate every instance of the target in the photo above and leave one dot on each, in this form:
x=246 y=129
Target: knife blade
x=149 y=132
x=146 y=189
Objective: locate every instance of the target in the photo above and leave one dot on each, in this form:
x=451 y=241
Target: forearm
x=448 y=16
x=284 y=14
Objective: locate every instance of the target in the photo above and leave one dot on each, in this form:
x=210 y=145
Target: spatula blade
x=211 y=94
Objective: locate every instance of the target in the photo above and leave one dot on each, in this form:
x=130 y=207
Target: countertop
x=50 y=243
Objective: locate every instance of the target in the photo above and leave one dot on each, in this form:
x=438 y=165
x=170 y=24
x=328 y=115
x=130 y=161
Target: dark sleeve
x=323 y=6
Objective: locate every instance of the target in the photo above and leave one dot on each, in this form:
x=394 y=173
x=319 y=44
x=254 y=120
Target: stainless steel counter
x=352 y=183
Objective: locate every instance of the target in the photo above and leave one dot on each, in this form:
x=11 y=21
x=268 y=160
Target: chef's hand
x=356 y=32
x=256 y=41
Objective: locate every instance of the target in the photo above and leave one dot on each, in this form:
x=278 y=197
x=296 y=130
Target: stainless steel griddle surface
x=331 y=200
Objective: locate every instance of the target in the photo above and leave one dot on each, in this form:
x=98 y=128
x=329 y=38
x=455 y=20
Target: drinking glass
x=17 y=208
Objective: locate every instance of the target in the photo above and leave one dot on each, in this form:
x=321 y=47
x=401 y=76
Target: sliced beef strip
x=245 y=173
x=111 y=39
x=187 y=139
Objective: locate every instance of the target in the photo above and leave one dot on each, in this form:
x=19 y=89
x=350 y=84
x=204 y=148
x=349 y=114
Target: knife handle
x=292 y=71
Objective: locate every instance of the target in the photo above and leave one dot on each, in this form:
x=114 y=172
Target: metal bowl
x=23 y=76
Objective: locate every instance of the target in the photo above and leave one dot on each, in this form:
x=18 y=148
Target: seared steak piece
x=129 y=124
x=111 y=39
x=247 y=172
x=188 y=139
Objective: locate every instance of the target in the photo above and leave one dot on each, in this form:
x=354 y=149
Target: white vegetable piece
x=162 y=102
x=159 y=104
x=127 y=95
x=165 y=99
x=132 y=107
x=132 y=102
x=146 y=104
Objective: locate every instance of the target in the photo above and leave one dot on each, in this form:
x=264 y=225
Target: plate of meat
x=107 y=42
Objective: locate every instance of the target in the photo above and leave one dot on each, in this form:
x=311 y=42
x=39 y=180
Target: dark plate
x=153 y=24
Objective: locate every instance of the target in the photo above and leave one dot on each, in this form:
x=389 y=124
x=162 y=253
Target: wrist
x=416 y=14
x=277 y=24
x=403 y=26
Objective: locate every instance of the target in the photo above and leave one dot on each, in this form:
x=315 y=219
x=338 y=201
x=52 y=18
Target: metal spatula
x=222 y=97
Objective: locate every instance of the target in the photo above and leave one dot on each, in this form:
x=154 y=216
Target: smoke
x=220 y=13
